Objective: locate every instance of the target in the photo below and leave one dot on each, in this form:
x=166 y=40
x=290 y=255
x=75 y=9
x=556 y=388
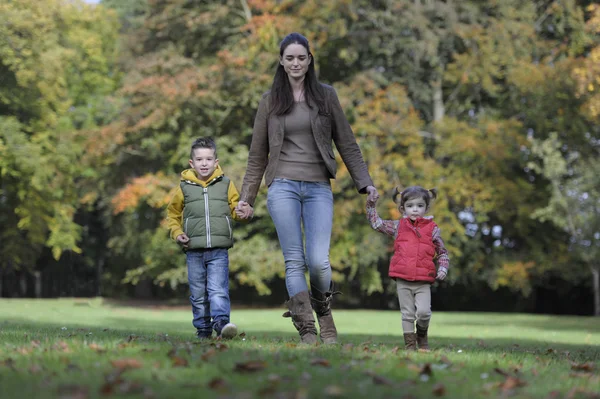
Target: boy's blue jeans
x=208 y=276
x=294 y=205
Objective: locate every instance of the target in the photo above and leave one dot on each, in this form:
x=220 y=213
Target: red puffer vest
x=414 y=251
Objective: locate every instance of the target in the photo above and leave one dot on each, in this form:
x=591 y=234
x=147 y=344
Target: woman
x=292 y=147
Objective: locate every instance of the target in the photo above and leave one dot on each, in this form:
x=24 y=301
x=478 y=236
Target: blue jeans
x=208 y=275
x=293 y=205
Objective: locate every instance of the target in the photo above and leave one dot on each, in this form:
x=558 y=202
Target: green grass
x=75 y=348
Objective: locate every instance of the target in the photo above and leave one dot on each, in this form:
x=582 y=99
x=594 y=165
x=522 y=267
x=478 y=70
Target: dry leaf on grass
x=378 y=379
x=97 y=348
x=73 y=392
x=127 y=363
x=320 y=362
x=217 y=384
x=250 y=367
x=35 y=369
x=426 y=370
x=334 y=390
x=439 y=389
x=208 y=354
x=512 y=382
x=178 y=361
x=587 y=367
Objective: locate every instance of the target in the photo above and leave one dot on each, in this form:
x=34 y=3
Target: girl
x=417 y=243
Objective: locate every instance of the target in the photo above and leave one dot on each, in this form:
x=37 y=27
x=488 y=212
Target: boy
x=199 y=219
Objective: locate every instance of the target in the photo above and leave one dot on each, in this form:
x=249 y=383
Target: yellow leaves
x=515 y=275
x=152 y=189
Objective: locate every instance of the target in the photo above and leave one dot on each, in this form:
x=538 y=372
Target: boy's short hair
x=204 y=142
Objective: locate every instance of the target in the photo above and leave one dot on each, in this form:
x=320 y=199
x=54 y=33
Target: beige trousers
x=415 y=303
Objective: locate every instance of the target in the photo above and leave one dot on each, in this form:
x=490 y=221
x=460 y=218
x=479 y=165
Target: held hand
x=183 y=239
x=373 y=195
x=244 y=210
x=441 y=274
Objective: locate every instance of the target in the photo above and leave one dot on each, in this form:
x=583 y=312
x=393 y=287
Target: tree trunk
x=438 y=101
x=38 y=283
x=100 y=270
x=23 y=283
x=596 y=285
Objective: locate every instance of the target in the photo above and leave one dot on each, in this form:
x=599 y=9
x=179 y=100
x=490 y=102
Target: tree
x=574 y=203
x=55 y=59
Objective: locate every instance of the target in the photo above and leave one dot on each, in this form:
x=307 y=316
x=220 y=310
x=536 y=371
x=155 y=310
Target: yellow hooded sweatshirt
x=175 y=208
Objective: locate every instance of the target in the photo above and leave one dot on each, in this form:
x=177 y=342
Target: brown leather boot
x=422 y=338
x=302 y=317
x=321 y=303
x=410 y=341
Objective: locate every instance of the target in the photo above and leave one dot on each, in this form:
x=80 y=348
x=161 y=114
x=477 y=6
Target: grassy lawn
x=76 y=348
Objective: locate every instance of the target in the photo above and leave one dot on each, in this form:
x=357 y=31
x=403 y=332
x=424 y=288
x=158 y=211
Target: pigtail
x=433 y=193
x=397 y=192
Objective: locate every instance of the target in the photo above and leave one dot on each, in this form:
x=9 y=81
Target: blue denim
x=294 y=205
x=208 y=276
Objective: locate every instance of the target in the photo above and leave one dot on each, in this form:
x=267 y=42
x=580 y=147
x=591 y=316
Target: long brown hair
x=282 y=97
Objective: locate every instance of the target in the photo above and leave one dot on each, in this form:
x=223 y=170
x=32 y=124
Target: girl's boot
x=410 y=341
x=422 y=337
x=321 y=303
x=302 y=317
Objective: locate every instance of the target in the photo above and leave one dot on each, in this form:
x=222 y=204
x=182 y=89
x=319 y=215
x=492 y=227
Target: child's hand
x=244 y=210
x=441 y=274
x=183 y=239
x=373 y=195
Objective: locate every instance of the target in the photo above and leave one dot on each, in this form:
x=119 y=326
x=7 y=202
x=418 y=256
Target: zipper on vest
x=229 y=225
x=185 y=226
x=207 y=216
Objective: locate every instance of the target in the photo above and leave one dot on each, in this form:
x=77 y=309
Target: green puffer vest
x=206 y=214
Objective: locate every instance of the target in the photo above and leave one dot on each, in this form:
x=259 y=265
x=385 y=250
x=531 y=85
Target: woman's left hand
x=373 y=195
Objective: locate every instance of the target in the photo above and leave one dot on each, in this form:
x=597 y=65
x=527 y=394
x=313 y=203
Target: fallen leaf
x=35 y=369
x=178 y=361
x=127 y=363
x=320 y=362
x=242 y=335
x=588 y=367
x=439 y=389
x=511 y=383
x=395 y=349
x=221 y=347
x=426 y=370
x=378 y=379
x=73 y=392
x=9 y=362
x=250 y=367
x=501 y=372
x=208 y=354
x=97 y=348
x=444 y=359
x=131 y=338
x=334 y=390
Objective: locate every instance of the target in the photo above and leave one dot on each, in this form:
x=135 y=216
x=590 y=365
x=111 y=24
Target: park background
x=495 y=103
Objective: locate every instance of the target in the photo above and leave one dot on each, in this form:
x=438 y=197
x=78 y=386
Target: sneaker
x=228 y=331
x=202 y=335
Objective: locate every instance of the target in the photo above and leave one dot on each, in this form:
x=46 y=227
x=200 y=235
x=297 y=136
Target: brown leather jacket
x=267 y=139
